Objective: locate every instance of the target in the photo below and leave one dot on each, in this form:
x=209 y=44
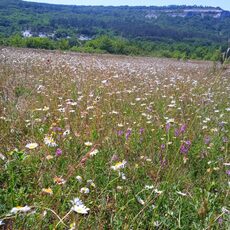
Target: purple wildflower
x=180 y=131
x=188 y=143
x=228 y=172
x=163 y=163
x=57 y=129
x=58 y=152
x=185 y=147
x=177 y=132
x=182 y=128
x=167 y=127
x=207 y=140
x=162 y=146
x=120 y=132
x=220 y=221
x=142 y=131
x=128 y=133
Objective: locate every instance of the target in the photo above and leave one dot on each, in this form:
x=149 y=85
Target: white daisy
x=31 y=145
x=67 y=132
x=84 y=190
x=119 y=165
x=79 y=178
x=76 y=201
x=157 y=191
x=149 y=186
x=94 y=152
x=224 y=210
x=48 y=140
x=20 y=209
x=62 y=110
x=88 y=143
x=140 y=201
x=91 y=183
x=104 y=81
x=123 y=177
x=79 y=207
x=170 y=120
x=2 y=157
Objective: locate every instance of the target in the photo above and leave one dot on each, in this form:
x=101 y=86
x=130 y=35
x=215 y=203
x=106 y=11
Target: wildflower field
x=112 y=142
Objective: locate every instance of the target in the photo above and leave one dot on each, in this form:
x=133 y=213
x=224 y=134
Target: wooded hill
x=177 y=31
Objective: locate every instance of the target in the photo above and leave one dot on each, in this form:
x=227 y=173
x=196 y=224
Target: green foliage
x=118 y=45
x=115 y=30
x=63 y=44
x=36 y=42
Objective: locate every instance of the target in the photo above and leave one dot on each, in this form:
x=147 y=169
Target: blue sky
x=225 y=4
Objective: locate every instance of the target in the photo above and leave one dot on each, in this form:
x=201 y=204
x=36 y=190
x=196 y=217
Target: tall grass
x=142 y=142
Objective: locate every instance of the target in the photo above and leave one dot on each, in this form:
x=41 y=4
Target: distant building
x=42 y=35
x=84 y=38
x=26 y=34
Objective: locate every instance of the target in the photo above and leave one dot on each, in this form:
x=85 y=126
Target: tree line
x=119 y=45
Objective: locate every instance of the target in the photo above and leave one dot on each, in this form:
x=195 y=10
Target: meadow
x=112 y=142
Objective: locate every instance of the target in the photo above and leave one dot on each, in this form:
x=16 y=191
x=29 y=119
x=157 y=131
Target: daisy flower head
x=48 y=140
x=59 y=180
x=149 y=187
x=94 y=152
x=157 y=191
x=31 y=145
x=88 y=143
x=2 y=157
x=91 y=183
x=78 y=206
x=119 y=165
x=47 y=191
x=80 y=209
x=66 y=133
x=49 y=157
x=140 y=201
x=76 y=201
x=62 y=110
x=122 y=175
x=79 y=178
x=104 y=81
x=20 y=209
x=84 y=190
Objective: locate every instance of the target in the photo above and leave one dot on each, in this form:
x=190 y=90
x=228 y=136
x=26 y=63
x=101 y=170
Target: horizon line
x=63 y=4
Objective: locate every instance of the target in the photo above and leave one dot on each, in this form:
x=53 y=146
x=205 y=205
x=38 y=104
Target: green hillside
x=173 y=31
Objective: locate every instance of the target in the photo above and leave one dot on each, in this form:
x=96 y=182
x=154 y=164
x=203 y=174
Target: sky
x=224 y=4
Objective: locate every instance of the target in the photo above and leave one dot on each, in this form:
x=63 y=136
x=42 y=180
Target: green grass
x=125 y=119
